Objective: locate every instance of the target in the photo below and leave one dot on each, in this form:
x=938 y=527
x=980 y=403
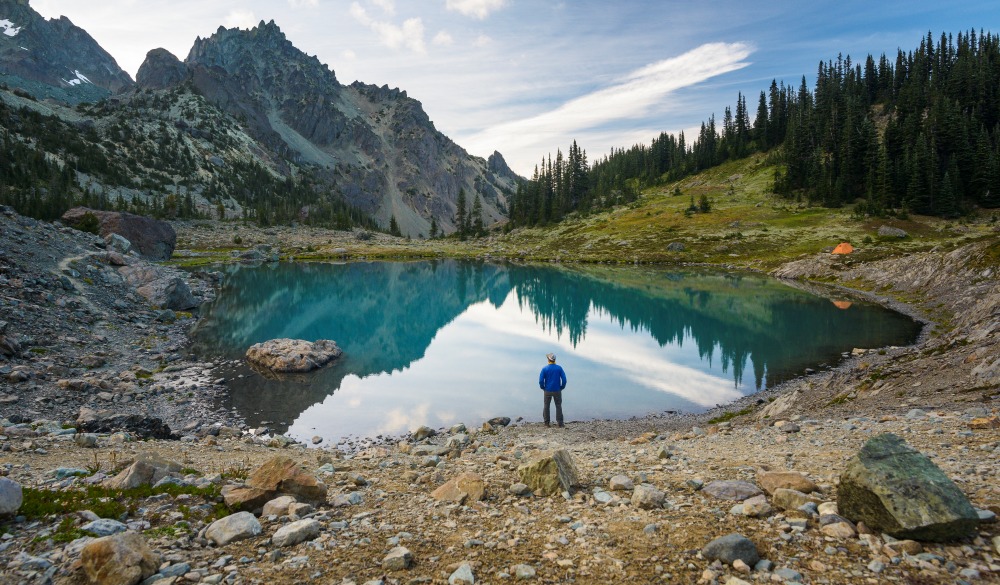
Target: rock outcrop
x=161 y=70
x=895 y=489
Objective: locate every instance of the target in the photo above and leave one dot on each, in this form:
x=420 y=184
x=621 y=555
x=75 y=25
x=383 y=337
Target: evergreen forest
x=919 y=133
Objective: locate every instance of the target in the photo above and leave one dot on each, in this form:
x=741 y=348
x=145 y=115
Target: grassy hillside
x=748 y=226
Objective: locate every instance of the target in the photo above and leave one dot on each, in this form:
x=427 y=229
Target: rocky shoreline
x=91 y=351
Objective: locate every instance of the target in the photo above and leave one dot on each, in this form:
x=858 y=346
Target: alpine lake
x=443 y=342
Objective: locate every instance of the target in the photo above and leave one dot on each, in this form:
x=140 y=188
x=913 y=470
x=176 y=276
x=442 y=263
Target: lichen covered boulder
x=895 y=489
x=551 y=474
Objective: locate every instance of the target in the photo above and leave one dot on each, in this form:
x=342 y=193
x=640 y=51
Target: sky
x=527 y=77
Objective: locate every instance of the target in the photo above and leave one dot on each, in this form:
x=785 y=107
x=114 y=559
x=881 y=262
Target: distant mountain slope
x=54 y=58
x=373 y=145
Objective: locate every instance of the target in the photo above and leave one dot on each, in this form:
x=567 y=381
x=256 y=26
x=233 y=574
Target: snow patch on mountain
x=9 y=28
x=80 y=79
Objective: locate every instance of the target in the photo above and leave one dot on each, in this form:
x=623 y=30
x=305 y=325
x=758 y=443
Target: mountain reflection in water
x=441 y=342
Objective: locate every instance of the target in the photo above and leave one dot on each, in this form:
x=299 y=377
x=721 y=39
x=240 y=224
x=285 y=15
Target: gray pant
x=549 y=397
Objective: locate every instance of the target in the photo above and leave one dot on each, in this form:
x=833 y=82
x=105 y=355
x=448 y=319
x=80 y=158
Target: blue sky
x=527 y=77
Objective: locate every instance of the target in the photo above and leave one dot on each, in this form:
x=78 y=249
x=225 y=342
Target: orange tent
x=842 y=304
x=843 y=248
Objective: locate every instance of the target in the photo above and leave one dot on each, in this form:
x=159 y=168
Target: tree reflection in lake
x=439 y=342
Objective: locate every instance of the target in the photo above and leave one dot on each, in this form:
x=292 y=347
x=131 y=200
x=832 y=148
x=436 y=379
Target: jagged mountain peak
x=264 y=47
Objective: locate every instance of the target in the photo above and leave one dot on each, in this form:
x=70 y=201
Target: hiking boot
x=547 y=425
x=562 y=426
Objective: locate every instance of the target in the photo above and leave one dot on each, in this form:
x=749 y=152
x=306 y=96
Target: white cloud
x=475 y=8
x=443 y=39
x=387 y=6
x=303 y=3
x=482 y=41
x=410 y=34
x=241 y=19
x=632 y=98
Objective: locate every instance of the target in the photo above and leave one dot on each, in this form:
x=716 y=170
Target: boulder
x=467 y=487
x=895 y=489
x=550 y=474
x=292 y=355
x=731 y=547
x=147 y=470
x=238 y=526
x=423 y=432
x=11 y=496
x=647 y=497
x=295 y=532
x=121 y=559
x=277 y=476
x=9 y=345
x=161 y=286
x=791 y=480
x=731 y=490
x=786 y=499
x=399 y=558
x=142 y=426
x=117 y=244
x=152 y=238
x=621 y=483
x=278 y=506
x=887 y=231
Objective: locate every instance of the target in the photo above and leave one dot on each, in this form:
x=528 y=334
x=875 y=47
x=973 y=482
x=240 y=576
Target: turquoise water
x=440 y=342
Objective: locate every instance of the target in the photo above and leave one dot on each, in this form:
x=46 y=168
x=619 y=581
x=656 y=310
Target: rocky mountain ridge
x=367 y=147
x=55 y=58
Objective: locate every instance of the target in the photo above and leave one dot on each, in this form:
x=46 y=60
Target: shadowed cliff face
x=373 y=145
x=54 y=58
x=417 y=320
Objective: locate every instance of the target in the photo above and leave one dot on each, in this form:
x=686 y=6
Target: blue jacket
x=552 y=378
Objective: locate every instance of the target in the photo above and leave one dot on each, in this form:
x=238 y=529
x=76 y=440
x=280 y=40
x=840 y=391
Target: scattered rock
x=731 y=547
x=296 y=532
x=785 y=499
x=621 y=483
x=11 y=496
x=895 y=489
x=467 y=487
x=731 y=490
x=398 y=559
x=647 y=497
x=278 y=506
x=104 y=527
x=772 y=480
x=292 y=355
x=462 y=576
x=238 y=526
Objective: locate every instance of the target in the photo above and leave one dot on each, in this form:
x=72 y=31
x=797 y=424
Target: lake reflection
x=441 y=342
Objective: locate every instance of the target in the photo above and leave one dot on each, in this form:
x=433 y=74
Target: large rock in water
x=895 y=489
x=551 y=474
x=293 y=355
x=154 y=239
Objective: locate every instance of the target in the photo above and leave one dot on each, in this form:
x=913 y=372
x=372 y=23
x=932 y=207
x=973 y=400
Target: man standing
x=552 y=380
